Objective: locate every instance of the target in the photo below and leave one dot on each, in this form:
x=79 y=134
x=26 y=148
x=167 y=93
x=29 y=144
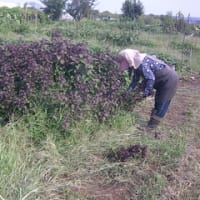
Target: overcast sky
x=191 y=7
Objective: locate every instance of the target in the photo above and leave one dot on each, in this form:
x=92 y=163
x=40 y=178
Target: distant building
x=66 y=16
x=36 y=4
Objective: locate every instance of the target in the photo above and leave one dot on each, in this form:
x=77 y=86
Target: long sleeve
x=134 y=82
x=149 y=79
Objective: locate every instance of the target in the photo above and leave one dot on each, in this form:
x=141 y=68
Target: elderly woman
x=156 y=74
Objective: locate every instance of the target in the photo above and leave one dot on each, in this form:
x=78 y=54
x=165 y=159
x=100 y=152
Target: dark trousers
x=160 y=108
x=166 y=85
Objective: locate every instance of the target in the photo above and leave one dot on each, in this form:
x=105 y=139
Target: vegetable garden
x=63 y=116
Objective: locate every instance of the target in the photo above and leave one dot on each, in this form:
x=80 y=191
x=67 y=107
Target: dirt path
x=184 y=182
x=131 y=180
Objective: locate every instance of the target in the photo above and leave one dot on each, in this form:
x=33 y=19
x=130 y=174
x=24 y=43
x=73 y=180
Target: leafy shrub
x=150 y=23
x=128 y=25
x=185 y=47
x=120 y=38
x=179 y=65
x=21 y=29
x=59 y=75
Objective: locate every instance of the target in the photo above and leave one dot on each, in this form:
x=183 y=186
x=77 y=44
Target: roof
x=36 y=4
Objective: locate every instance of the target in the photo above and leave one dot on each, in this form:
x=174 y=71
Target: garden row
x=59 y=75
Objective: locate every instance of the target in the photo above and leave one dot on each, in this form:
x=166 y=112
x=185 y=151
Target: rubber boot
x=153 y=112
x=153 y=123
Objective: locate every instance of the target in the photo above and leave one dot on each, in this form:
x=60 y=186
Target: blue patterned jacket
x=147 y=71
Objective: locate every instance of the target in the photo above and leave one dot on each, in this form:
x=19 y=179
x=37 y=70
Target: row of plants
x=58 y=72
x=59 y=75
x=20 y=20
x=116 y=38
x=112 y=33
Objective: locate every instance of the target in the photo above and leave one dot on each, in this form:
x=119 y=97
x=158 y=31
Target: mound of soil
x=122 y=154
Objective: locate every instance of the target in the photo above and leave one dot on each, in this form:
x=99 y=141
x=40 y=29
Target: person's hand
x=147 y=94
x=139 y=96
x=151 y=93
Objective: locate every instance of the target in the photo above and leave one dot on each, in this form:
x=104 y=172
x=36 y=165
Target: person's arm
x=134 y=82
x=149 y=80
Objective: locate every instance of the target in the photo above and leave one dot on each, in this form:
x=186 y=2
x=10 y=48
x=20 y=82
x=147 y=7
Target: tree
x=54 y=8
x=132 y=9
x=79 y=9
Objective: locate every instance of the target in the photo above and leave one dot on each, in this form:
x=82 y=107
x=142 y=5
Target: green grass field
x=38 y=162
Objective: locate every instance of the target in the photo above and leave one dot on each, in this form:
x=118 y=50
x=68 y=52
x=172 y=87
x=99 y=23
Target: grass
x=71 y=168
x=17 y=172
x=38 y=162
x=64 y=167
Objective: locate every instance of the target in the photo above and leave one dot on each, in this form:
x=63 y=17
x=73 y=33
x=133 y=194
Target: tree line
x=79 y=9
x=130 y=10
